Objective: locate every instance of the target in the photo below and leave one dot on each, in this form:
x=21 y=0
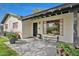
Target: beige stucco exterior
x=10 y=20
x=27 y=29
x=67 y=26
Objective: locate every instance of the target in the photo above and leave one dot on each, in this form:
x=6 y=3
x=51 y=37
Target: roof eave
x=51 y=9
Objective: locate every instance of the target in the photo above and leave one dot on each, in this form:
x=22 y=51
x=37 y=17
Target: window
x=6 y=26
x=52 y=27
x=15 y=25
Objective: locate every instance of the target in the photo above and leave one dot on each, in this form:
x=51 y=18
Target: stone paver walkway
x=30 y=47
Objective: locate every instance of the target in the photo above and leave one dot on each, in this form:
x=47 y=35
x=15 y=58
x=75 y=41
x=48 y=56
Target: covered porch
x=61 y=21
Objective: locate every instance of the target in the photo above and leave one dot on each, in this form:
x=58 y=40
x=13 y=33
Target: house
x=62 y=21
x=12 y=23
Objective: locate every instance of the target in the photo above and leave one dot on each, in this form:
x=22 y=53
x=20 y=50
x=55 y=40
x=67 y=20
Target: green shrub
x=68 y=48
x=10 y=35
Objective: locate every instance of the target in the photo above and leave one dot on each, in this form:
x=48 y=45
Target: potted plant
x=13 y=39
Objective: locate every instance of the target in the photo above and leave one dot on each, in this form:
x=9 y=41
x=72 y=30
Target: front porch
x=61 y=21
x=64 y=27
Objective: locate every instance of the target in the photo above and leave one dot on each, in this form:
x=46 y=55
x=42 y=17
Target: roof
x=50 y=9
x=10 y=14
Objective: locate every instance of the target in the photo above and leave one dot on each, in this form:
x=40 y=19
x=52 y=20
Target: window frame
x=15 y=25
x=60 y=26
x=6 y=26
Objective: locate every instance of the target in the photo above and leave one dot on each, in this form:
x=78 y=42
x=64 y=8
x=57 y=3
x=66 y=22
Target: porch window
x=15 y=25
x=53 y=27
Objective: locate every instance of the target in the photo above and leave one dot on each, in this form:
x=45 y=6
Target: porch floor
x=31 y=47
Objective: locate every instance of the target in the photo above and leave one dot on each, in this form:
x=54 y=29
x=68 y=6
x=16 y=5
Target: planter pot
x=12 y=40
x=60 y=51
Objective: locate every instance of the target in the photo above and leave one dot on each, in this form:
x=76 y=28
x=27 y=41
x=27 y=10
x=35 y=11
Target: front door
x=34 y=29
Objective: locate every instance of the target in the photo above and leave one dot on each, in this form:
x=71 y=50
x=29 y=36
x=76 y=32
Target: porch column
x=75 y=26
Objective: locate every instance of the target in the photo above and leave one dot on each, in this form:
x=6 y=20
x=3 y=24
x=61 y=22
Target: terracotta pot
x=61 y=50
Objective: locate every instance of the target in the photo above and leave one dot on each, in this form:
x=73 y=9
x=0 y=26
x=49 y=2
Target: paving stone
x=34 y=48
x=51 y=51
x=27 y=54
x=41 y=53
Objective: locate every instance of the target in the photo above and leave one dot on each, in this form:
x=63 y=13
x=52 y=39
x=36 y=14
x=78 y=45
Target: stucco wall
x=10 y=20
x=67 y=26
x=27 y=29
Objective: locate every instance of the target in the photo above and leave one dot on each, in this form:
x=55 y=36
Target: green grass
x=4 y=50
x=3 y=39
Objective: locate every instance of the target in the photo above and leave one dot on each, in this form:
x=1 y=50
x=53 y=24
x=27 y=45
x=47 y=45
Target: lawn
x=3 y=39
x=4 y=50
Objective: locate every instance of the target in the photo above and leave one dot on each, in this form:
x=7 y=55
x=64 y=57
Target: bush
x=68 y=49
x=10 y=35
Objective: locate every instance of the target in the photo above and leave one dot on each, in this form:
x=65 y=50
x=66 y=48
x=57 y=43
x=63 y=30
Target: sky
x=23 y=9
